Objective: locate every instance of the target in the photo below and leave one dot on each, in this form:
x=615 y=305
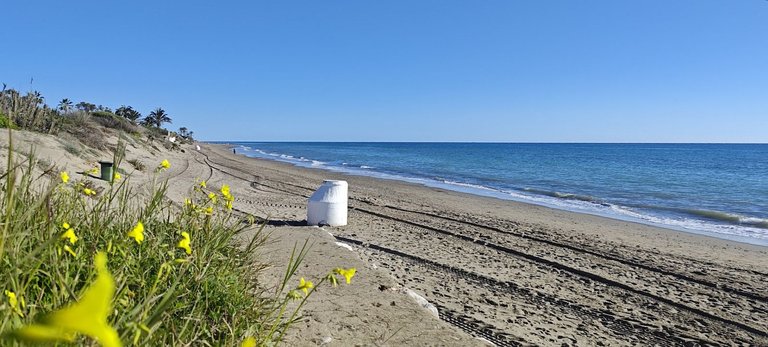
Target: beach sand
x=509 y=272
x=513 y=273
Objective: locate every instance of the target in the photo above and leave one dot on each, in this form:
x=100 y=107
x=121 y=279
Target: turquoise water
x=718 y=190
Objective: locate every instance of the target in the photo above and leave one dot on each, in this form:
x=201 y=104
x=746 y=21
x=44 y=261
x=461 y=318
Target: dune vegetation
x=122 y=264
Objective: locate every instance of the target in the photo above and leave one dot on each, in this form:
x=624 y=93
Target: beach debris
x=326 y=340
x=422 y=302
x=485 y=342
x=346 y=246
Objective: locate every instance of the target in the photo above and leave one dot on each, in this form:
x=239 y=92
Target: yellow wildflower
x=225 y=191
x=42 y=333
x=69 y=233
x=137 y=232
x=305 y=285
x=228 y=204
x=249 y=342
x=348 y=274
x=209 y=210
x=64 y=177
x=14 y=302
x=88 y=316
x=212 y=197
x=165 y=164
x=116 y=176
x=89 y=191
x=202 y=184
x=184 y=242
x=70 y=251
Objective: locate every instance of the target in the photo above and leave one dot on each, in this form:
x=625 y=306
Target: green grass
x=164 y=296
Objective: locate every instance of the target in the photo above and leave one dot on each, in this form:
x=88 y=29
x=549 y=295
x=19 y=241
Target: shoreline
x=499 y=195
x=526 y=274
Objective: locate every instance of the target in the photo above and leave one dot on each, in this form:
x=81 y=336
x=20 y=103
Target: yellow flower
x=209 y=210
x=165 y=164
x=42 y=333
x=348 y=274
x=212 y=197
x=88 y=316
x=184 y=242
x=225 y=190
x=116 y=176
x=70 y=251
x=64 y=176
x=228 y=204
x=65 y=225
x=137 y=232
x=69 y=233
x=14 y=302
x=89 y=191
x=249 y=342
x=203 y=185
x=305 y=285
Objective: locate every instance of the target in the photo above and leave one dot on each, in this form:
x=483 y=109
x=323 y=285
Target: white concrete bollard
x=328 y=204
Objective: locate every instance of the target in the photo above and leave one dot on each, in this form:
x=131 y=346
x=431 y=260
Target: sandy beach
x=513 y=273
x=507 y=272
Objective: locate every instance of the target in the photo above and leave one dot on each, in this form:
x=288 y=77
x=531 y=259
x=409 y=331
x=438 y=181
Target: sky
x=440 y=70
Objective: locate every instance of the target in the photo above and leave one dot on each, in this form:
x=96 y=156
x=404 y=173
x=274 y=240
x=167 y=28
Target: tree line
x=156 y=118
x=30 y=111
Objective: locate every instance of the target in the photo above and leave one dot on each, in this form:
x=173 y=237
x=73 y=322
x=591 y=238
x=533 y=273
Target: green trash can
x=106 y=170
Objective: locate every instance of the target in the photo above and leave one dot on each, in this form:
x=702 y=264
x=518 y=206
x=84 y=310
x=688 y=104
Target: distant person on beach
x=234 y=150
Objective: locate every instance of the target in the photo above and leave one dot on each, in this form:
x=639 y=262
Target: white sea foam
x=469 y=185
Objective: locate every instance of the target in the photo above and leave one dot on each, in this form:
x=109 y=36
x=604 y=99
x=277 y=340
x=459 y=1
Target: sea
x=718 y=190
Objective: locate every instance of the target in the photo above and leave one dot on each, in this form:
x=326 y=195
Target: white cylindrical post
x=328 y=204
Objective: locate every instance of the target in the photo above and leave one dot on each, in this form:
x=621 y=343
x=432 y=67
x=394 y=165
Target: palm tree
x=37 y=98
x=65 y=105
x=85 y=106
x=128 y=112
x=157 y=118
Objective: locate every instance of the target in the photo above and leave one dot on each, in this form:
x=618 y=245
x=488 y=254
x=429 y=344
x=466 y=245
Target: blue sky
x=442 y=70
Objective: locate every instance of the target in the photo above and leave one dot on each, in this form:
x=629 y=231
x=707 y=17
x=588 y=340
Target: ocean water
x=718 y=190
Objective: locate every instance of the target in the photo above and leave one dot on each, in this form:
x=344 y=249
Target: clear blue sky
x=442 y=70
